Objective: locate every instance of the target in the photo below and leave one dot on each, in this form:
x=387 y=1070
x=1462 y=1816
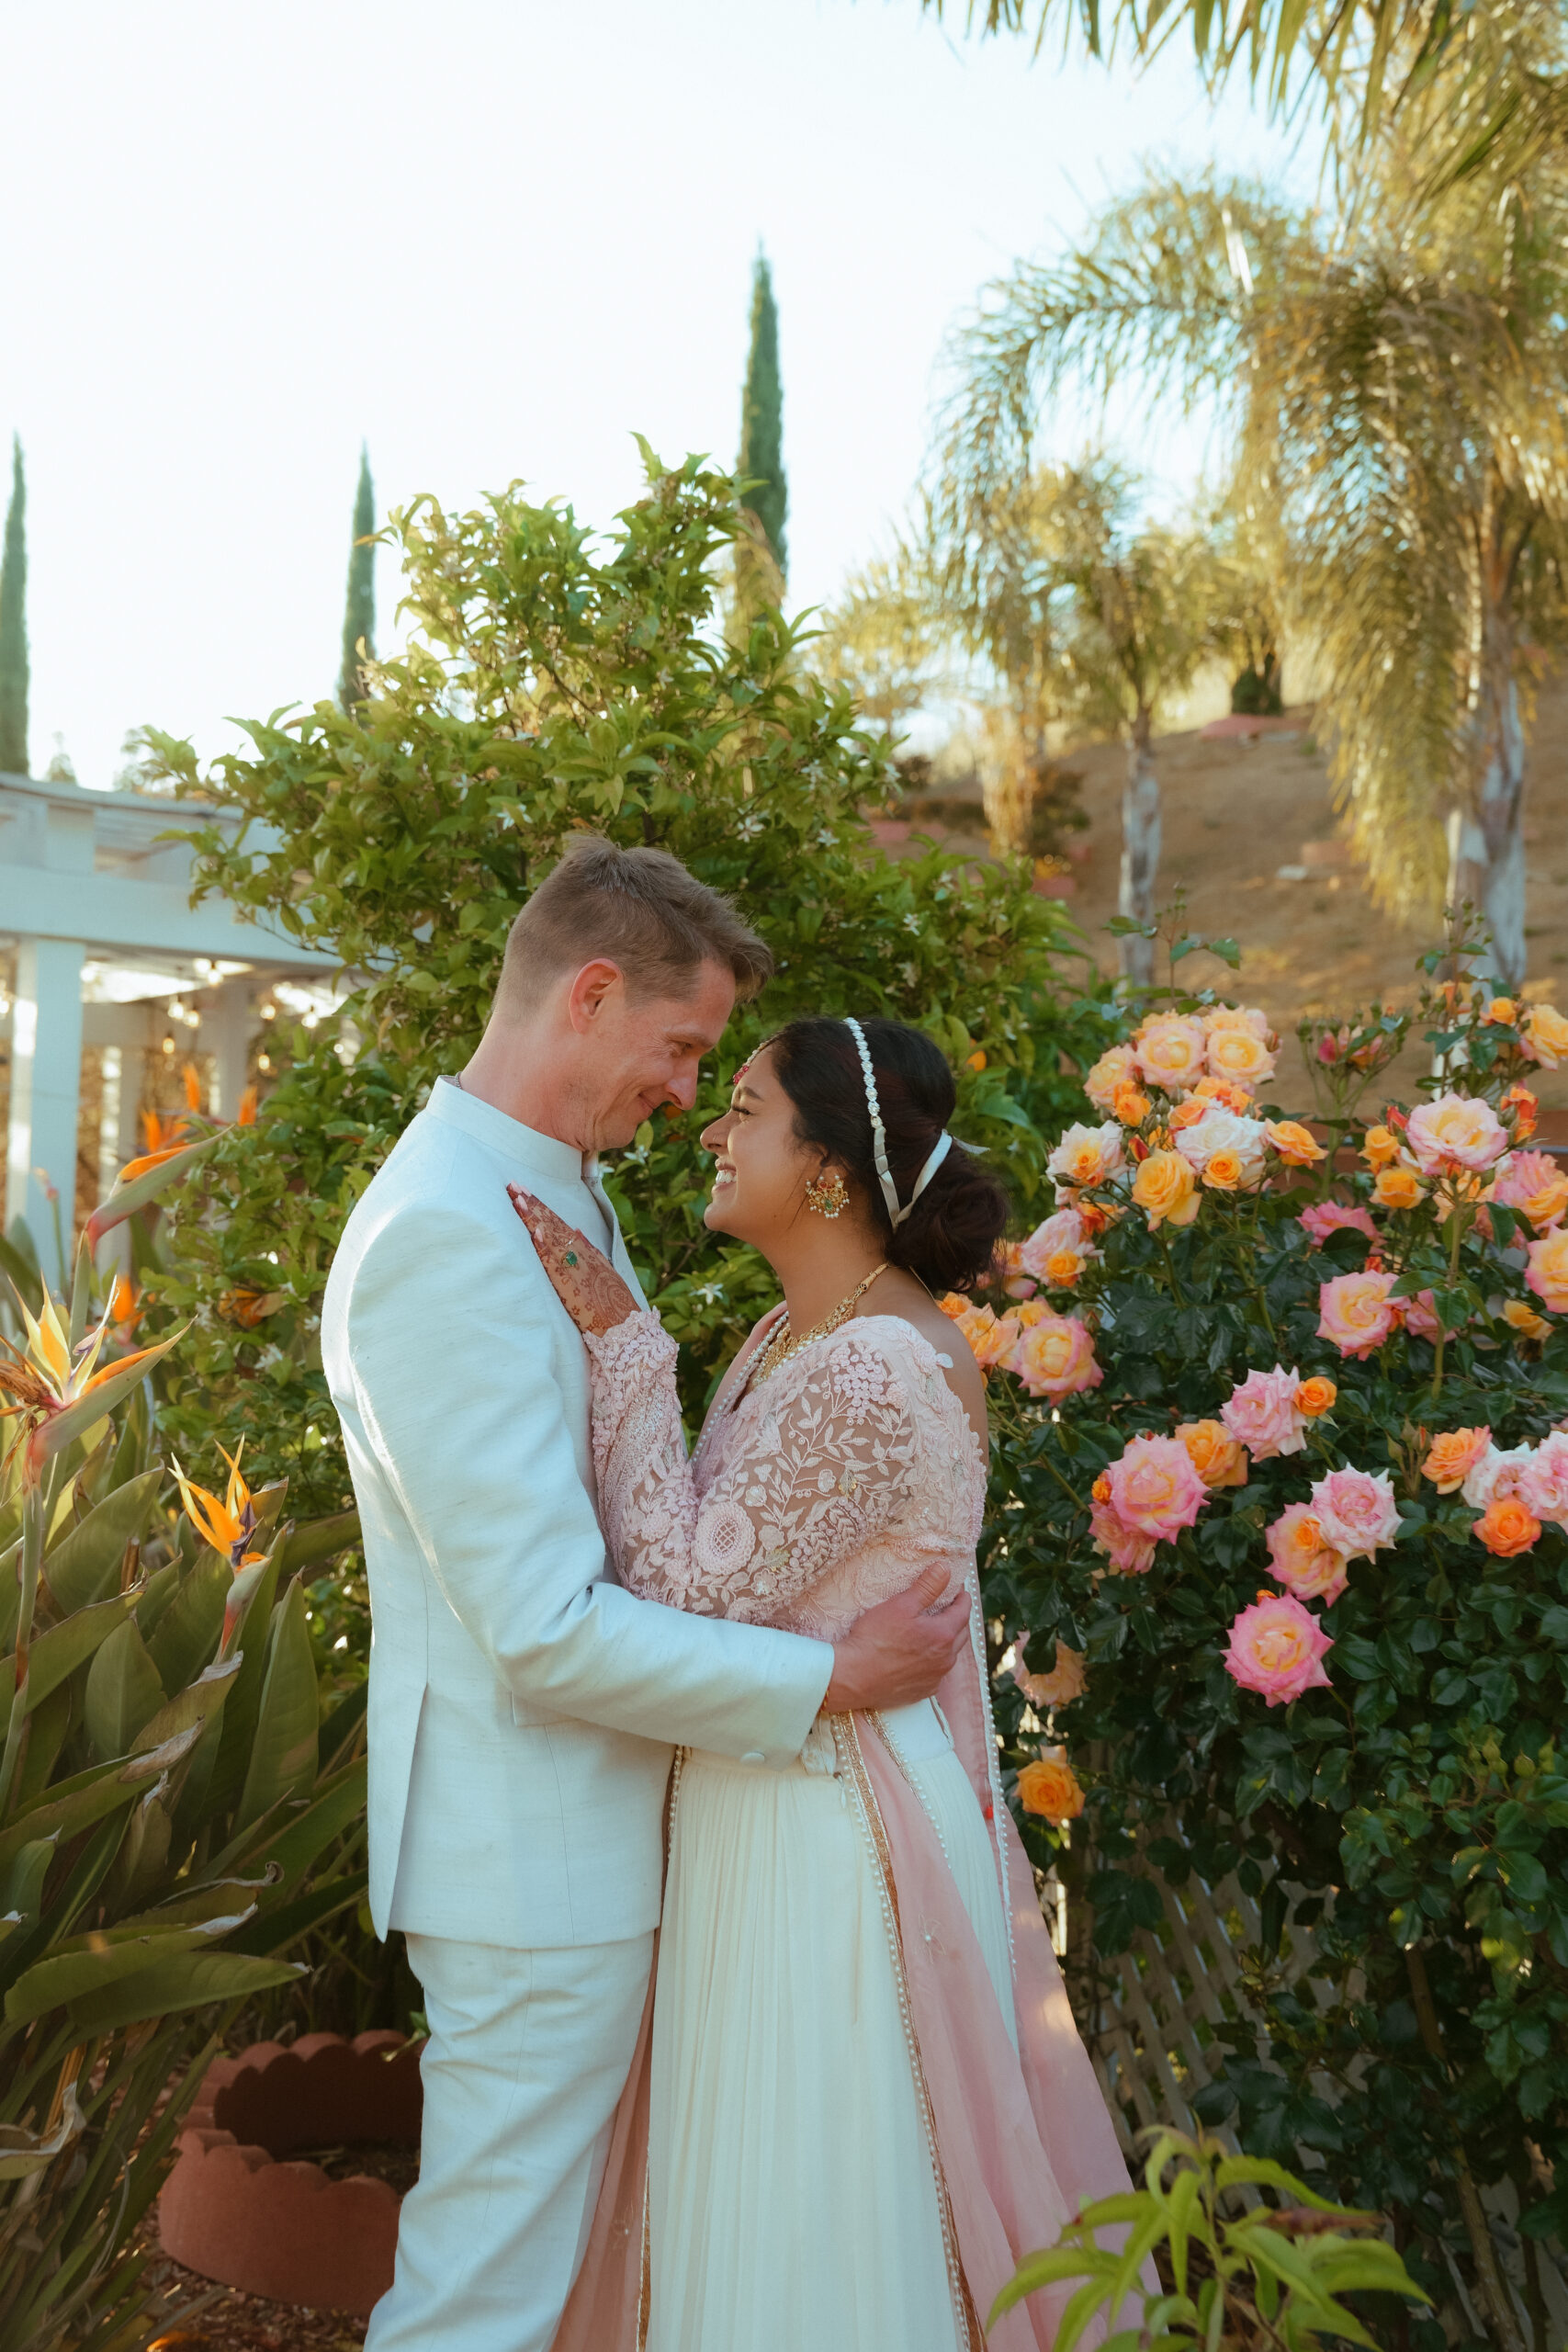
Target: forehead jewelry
x=879 y=1136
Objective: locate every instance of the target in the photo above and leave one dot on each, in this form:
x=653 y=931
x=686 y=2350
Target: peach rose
x=1086 y=1157
x=1250 y=1017
x=1357 y=1511
x=1054 y=1357
x=1130 y=1551
x=1168 y=1050
x=1458 y=1132
x=1154 y=1488
x=990 y=1341
x=1302 y=1559
x=1525 y=1320
x=1544 y=1482
x=1547 y=1274
x=1236 y=1144
x=1358 y=1312
x=1277 y=1648
x=1131 y=1108
x=1545 y=1037
x=1239 y=1056
x=1379 y=1148
x=1050 y=1787
x=1057 y=1252
x=1316 y=1397
x=1221 y=1091
x=1503 y=1010
x=1065 y=1680
x=1453 y=1456
x=1219 y=1459
x=1109 y=1076
x=1165 y=1188
x=955 y=1305
x=1263 y=1414
x=1421 y=1317
x=1295 y=1144
x=1524 y=1106
x=1324 y=1218
x=1500 y=1471
x=1532 y=1182
x=1398 y=1188
x=1509 y=1526
x=1188 y=1113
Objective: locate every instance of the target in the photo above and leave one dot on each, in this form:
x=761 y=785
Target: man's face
x=647 y=1051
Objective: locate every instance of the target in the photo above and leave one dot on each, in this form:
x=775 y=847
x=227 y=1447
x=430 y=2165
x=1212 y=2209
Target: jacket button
x=753 y=1756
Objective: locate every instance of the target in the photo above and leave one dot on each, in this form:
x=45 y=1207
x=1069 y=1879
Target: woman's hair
x=950 y=1238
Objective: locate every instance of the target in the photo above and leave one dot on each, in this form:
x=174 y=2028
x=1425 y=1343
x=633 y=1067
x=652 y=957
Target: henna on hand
x=584 y=1279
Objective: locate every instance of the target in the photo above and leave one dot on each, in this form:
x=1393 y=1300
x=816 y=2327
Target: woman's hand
x=586 y=1283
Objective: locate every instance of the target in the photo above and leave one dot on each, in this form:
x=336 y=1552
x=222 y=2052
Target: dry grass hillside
x=1236 y=812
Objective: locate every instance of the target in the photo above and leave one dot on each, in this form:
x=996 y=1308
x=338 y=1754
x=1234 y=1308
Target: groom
x=522 y=1707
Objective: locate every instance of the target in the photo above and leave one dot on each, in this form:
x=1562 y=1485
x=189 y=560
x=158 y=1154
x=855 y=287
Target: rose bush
x=1332 y=1659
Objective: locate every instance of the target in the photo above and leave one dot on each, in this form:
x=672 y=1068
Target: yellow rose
x=1223 y=1171
x=1241 y=1055
x=1546 y=1035
x=1165 y=1190
x=1131 y=1108
x=1296 y=1145
x=1548 y=1276
x=1525 y=1320
x=1108 y=1075
x=1398 y=1188
x=1503 y=1010
x=1063 y=1267
x=1219 y=1459
x=1050 y=1787
x=1379 y=1147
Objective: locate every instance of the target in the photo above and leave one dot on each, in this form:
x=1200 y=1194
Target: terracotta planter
x=239 y=2210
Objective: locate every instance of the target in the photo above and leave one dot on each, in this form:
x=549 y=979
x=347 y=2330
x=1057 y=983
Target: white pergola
x=98 y=909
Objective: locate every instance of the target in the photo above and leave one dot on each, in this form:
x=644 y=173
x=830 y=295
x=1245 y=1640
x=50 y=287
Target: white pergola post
x=46 y=1085
x=225 y=1034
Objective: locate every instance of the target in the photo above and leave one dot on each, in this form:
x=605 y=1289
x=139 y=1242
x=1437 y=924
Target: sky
x=492 y=238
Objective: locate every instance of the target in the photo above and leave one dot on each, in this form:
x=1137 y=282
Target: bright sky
x=493 y=237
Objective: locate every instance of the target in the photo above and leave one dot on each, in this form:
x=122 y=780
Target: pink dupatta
x=1022 y=2138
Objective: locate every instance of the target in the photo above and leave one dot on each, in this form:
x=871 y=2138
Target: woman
x=862 y=2096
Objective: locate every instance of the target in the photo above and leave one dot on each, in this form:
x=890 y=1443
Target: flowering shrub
x=1282 y=1562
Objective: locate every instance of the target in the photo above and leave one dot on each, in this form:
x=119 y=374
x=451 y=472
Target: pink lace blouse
x=826 y=1490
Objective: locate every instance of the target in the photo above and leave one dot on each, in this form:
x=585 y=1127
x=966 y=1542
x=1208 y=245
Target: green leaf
x=84 y=1563
x=192 y=1980
x=123 y=1690
x=284 y=1750
x=55 y=1655
x=93 y=1961
x=188 y=1632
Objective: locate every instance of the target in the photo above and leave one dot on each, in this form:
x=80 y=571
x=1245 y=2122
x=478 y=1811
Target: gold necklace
x=782 y=1346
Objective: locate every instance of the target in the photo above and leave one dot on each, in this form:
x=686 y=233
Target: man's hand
x=900 y=1651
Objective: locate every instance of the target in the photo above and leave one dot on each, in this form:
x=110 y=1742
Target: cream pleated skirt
x=793 y=2205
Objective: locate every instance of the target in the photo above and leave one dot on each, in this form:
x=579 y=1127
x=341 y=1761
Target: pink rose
x=1129 y=1552
x=1457 y=1131
x=1302 y=1559
x=1262 y=1412
x=1053 y=1356
x=1544 y=1482
x=1154 y=1488
x=1329 y=1216
x=1277 y=1648
x=1499 y=1472
x=1421 y=1317
x=1358 y=1312
x=1357 y=1511
x=1532 y=1182
x=1060 y=1235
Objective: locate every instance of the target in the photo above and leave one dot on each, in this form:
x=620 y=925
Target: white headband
x=879 y=1138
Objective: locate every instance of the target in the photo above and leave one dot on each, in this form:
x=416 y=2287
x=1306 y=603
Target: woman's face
x=763 y=1170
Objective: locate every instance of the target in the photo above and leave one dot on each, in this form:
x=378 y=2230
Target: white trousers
x=528 y=2053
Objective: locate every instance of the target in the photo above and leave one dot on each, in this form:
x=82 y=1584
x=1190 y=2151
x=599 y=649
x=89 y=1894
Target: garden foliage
x=1280 y=1508
x=168 y=1794
x=555 y=682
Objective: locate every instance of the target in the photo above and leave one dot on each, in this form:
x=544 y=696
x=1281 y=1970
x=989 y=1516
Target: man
x=523 y=1706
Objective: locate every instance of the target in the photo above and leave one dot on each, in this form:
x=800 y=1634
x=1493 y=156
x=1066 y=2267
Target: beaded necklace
x=782 y=1346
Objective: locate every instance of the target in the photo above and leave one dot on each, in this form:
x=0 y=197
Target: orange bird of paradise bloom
x=42 y=1381
x=228 y=1525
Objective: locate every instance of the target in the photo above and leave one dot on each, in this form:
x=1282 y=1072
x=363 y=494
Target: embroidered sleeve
x=829 y=1455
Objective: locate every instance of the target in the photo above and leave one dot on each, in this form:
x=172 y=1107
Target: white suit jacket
x=522 y=1705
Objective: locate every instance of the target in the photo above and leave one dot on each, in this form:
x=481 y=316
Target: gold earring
x=828 y=1195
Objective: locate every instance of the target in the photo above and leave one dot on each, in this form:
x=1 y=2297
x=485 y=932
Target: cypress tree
x=762 y=418
x=359 y=611
x=14 y=626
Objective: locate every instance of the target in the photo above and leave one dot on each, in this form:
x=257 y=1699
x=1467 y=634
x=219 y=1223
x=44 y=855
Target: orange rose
x=1223 y=1171
x=1503 y=1010
x=955 y=1305
x=1229 y=1097
x=1131 y=1108
x=976 y=1061
x=1453 y=1456
x=1523 y=1103
x=1398 y=1188
x=1063 y=1267
x=1525 y=1320
x=1379 y=1148
x=1050 y=1787
x=1294 y=1143
x=1033 y=1310
x=1165 y=1188
x=1101 y=1490
x=1509 y=1526
x=1219 y=1459
x=1315 y=1397
x=1188 y=1113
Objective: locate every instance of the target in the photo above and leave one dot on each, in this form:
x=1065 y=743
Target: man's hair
x=637 y=907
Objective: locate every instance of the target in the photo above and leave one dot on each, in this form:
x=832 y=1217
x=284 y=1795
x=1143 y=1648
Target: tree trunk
x=1486 y=840
x=1140 y=851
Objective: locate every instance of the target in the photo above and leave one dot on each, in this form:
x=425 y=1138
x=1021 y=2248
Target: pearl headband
x=879 y=1136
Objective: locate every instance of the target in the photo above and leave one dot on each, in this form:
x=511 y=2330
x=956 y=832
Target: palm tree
x=1394 y=394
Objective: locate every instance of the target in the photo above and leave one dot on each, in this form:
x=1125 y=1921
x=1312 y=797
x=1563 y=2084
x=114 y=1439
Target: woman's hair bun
x=950 y=1238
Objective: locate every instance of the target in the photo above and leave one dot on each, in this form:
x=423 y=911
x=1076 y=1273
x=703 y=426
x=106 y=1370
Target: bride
x=860 y=2096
